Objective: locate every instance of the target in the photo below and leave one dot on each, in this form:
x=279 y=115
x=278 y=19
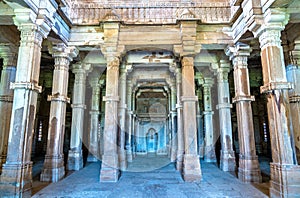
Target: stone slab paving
x=162 y=182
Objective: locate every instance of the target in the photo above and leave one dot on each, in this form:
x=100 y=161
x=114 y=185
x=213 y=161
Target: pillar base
x=16 y=180
x=2 y=161
x=210 y=154
x=75 y=160
x=179 y=162
x=122 y=159
x=227 y=161
x=129 y=156
x=191 y=168
x=53 y=169
x=285 y=180
x=249 y=170
x=92 y=158
x=110 y=168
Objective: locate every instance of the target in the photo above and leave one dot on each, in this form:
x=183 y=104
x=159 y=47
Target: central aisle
x=162 y=182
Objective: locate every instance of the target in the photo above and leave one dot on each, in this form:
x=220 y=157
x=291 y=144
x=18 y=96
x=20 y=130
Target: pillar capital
x=9 y=54
x=81 y=68
x=187 y=61
x=239 y=54
x=295 y=54
x=208 y=82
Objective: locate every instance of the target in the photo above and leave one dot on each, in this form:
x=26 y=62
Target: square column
x=75 y=161
x=54 y=168
x=16 y=178
x=93 y=145
x=285 y=174
x=8 y=76
x=209 y=149
x=110 y=160
x=249 y=170
x=227 y=158
x=191 y=162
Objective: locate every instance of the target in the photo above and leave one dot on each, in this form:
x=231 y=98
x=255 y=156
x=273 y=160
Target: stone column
x=180 y=143
x=75 y=161
x=129 y=122
x=200 y=125
x=209 y=149
x=249 y=170
x=122 y=119
x=191 y=162
x=285 y=174
x=293 y=76
x=94 y=81
x=54 y=168
x=8 y=76
x=227 y=158
x=110 y=161
x=16 y=178
x=173 y=123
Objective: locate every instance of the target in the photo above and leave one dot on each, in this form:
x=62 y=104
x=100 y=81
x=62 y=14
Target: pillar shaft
x=54 y=169
x=200 y=125
x=249 y=170
x=173 y=140
x=209 y=150
x=110 y=162
x=129 y=122
x=180 y=143
x=191 y=162
x=285 y=174
x=16 y=178
x=94 y=154
x=227 y=158
x=122 y=120
x=293 y=76
x=75 y=161
x=8 y=75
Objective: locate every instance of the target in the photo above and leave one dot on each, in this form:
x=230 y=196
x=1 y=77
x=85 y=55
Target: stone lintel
x=58 y=98
x=26 y=85
x=295 y=99
x=6 y=98
x=189 y=98
x=241 y=98
x=111 y=98
x=275 y=86
x=224 y=106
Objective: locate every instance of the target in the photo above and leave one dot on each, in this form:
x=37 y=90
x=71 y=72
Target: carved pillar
x=174 y=140
x=249 y=170
x=285 y=174
x=110 y=161
x=293 y=76
x=191 y=162
x=209 y=149
x=227 y=158
x=75 y=161
x=122 y=119
x=199 y=79
x=16 y=178
x=129 y=122
x=8 y=76
x=94 y=81
x=54 y=168
x=180 y=143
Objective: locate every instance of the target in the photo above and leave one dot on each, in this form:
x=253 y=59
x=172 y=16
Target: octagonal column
x=227 y=158
x=16 y=178
x=191 y=162
x=285 y=174
x=54 y=169
x=75 y=161
x=8 y=76
x=94 y=154
x=110 y=161
x=209 y=149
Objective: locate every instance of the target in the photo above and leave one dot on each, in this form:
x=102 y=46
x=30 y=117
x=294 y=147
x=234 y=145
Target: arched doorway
x=152 y=139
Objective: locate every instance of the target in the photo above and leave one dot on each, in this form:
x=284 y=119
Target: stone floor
x=150 y=176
